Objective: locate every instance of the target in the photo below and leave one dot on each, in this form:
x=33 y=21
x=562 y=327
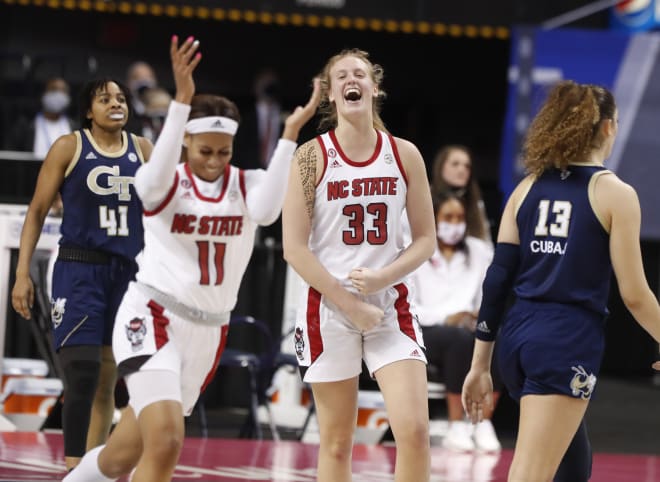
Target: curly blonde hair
x=567 y=127
x=327 y=110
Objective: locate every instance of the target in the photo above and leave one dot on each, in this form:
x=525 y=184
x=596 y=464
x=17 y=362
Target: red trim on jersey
x=224 y=329
x=325 y=158
x=225 y=182
x=314 y=324
x=403 y=314
x=379 y=146
x=167 y=199
x=395 y=150
x=241 y=183
x=160 y=324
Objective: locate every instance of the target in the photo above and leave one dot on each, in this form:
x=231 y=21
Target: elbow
x=287 y=251
x=636 y=300
x=429 y=245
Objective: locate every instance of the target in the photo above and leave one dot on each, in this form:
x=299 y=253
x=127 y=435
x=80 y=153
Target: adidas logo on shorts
x=415 y=353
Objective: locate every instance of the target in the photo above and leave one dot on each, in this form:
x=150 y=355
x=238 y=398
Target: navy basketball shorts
x=85 y=300
x=550 y=348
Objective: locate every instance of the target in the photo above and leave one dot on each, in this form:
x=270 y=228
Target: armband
x=496 y=288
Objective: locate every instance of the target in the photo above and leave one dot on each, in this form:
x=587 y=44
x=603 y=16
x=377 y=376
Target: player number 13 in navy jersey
x=557 y=228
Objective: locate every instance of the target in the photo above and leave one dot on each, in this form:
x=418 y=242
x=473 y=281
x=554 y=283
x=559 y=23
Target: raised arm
x=51 y=176
x=153 y=180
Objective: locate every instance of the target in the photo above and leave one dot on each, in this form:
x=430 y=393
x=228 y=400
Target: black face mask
x=272 y=90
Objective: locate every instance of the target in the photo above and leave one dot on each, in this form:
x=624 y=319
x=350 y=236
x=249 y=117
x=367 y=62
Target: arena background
x=446 y=75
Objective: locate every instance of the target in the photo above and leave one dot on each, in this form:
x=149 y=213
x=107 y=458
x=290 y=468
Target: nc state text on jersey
x=367 y=186
x=213 y=225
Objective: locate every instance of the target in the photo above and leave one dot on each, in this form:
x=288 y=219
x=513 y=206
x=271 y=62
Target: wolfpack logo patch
x=57 y=308
x=185 y=183
x=299 y=343
x=135 y=332
x=332 y=152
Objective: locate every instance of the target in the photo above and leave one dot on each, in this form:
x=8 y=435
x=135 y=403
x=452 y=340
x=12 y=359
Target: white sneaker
x=485 y=438
x=459 y=437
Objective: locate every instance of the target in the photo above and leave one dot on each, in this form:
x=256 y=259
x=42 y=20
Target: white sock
x=88 y=469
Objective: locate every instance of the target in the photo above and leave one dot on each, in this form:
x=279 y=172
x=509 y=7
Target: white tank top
x=197 y=248
x=358 y=208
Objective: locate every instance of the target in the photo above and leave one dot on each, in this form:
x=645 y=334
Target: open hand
x=477 y=394
x=184 y=62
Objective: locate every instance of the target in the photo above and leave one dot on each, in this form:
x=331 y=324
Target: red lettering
x=183 y=223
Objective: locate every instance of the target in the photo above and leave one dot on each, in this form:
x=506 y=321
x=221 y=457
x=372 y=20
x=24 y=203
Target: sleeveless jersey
x=102 y=210
x=564 y=248
x=358 y=208
x=197 y=248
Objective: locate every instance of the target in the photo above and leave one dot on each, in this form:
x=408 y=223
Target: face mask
x=55 y=101
x=451 y=233
x=138 y=87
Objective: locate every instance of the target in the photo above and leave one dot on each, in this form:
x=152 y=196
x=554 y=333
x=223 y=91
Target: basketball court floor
x=38 y=456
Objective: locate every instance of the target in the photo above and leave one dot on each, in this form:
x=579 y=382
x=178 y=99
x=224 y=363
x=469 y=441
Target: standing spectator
x=447 y=294
x=342 y=234
x=101 y=234
x=262 y=122
x=156 y=103
x=140 y=77
x=565 y=228
x=37 y=134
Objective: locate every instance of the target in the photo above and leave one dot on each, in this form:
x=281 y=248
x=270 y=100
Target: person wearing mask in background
x=452 y=171
x=447 y=293
x=38 y=133
x=140 y=77
x=156 y=103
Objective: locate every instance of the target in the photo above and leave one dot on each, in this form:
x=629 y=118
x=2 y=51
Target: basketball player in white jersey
x=200 y=219
x=342 y=234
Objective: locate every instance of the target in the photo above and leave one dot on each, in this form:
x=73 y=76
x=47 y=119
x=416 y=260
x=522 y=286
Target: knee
x=166 y=445
x=338 y=446
x=413 y=433
x=121 y=462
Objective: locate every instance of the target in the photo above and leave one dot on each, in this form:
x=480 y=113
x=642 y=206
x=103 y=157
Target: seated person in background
x=36 y=134
x=447 y=294
x=452 y=171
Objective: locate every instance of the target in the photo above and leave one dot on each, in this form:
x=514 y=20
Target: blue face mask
x=55 y=101
x=451 y=233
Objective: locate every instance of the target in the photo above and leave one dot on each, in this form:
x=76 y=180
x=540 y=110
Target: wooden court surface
x=38 y=456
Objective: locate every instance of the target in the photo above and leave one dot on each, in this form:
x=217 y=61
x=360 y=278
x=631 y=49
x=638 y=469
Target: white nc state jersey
x=358 y=208
x=197 y=248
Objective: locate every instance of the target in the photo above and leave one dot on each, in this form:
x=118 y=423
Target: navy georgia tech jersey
x=564 y=247
x=102 y=211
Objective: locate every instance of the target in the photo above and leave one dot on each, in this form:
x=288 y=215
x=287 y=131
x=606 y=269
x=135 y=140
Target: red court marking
x=36 y=456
